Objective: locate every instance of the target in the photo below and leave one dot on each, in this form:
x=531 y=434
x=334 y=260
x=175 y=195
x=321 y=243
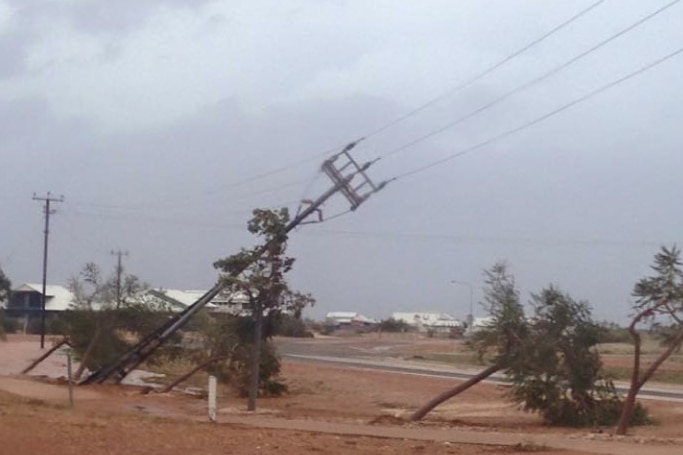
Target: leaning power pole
x=348 y=178
x=47 y=199
x=119 y=272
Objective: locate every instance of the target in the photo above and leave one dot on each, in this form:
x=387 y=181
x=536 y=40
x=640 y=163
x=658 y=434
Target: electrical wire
x=382 y=128
x=486 y=239
x=532 y=82
x=187 y=201
x=542 y=118
x=483 y=73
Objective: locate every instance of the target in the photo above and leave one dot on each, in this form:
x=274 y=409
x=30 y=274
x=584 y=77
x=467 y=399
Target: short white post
x=212 y=398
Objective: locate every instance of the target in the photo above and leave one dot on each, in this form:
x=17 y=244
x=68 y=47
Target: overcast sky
x=156 y=120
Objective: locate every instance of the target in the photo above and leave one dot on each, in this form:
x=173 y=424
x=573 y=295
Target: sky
x=164 y=123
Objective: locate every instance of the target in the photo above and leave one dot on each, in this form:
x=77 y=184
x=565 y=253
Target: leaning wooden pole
x=450 y=393
x=189 y=374
x=36 y=362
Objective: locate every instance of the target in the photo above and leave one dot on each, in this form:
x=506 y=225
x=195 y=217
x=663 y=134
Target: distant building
x=349 y=319
x=480 y=323
x=28 y=298
x=427 y=318
x=177 y=300
x=428 y=321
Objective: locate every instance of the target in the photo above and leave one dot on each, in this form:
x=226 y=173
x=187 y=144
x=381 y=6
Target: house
x=349 y=319
x=429 y=321
x=177 y=300
x=25 y=302
x=28 y=298
x=479 y=323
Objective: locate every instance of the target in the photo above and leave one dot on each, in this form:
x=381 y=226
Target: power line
x=187 y=200
x=487 y=239
x=532 y=82
x=484 y=73
x=543 y=117
x=392 y=123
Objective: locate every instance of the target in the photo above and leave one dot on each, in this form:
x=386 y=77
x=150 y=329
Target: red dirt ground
x=35 y=418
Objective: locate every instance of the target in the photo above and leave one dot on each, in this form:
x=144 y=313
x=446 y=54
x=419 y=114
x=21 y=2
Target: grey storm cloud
x=165 y=123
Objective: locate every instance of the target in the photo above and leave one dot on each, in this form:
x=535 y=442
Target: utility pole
x=119 y=272
x=348 y=178
x=47 y=199
x=470 y=316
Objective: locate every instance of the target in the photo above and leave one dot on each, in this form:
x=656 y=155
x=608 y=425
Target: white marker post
x=212 y=398
x=69 y=378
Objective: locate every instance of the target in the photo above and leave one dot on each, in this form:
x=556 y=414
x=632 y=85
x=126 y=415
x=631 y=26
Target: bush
x=394 y=325
x=613 y=333
x=239 y=371
x=601 y=413
x=287 y=325
x=231 y=337
x=7 y=324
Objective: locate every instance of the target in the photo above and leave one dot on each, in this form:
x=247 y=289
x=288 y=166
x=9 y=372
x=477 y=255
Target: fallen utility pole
x=342 y=170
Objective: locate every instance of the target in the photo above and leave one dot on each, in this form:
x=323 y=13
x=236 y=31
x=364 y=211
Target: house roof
x=180 y=299
x=349 y=316
x=427 y=318
x=57 y=297
x=342 y=314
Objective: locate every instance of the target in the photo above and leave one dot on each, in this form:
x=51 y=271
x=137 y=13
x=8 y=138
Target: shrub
x=613 y=333
x=394 y=325
x=287 y=325
x=7 y=324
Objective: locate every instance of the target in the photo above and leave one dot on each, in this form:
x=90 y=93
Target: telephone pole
x=47 y=199
x=348 y=178
x=119 y=272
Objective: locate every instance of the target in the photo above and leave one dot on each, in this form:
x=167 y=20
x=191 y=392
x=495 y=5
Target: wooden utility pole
x=46 y=209
x=119 y=272
x=348 y=178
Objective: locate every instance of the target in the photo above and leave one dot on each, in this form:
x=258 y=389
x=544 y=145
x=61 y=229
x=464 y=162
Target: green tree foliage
x=102 y=322
x=258 y=274
x=394 y=325
x=5 y=288
x=500 y=342
x=549 y=357
x=659 y=303
x=559 y=373
x=612 y=332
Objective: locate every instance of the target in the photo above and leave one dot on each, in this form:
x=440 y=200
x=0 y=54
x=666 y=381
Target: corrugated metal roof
x=57 y=298
x=341 y=315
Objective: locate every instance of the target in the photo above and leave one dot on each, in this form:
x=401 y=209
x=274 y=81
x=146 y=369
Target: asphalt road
x=377 y=355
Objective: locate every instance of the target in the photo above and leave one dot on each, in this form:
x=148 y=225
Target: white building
x=349 y=319
x=428 y=320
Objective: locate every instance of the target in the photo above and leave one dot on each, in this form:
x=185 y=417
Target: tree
x=499 y=342
x=5 y=288
x=659 y=302
x=264 y=286
x=394 y=325
x=99 y=314
x=559 y=373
